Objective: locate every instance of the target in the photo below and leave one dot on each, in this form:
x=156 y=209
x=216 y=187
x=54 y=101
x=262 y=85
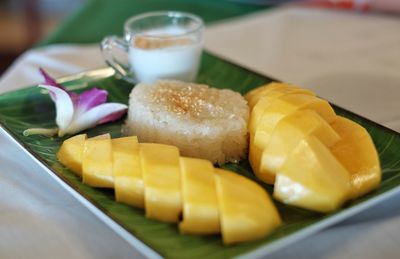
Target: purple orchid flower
x=77 y=112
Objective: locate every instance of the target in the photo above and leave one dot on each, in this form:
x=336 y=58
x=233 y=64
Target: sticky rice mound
x=201 y=121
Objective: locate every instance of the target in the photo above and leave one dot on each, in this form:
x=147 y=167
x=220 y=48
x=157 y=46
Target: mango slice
x=127 y=172
x=272 y=89
x=247 y=212
x=265 y=101
x=70 y=153
x=288 y=133
x=156 y=178
x=254 y=95
x=200 y=204
x=312 y=178
x=97 y=162
x=255 y=154
x=280 y=108
x=288 y=104
x=357 y=153
x=102 y=136
x=162 y=181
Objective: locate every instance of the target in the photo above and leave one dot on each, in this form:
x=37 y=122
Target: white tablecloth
x=352 y=60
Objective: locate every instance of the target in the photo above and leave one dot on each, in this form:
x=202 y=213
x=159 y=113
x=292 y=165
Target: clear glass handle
x=108 y=46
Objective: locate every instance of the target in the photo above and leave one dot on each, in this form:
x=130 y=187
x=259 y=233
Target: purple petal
x=89 y=99
x=112 y=117
x=50 y=80
x=64 y=107
x=74 y=98
x=93 y=116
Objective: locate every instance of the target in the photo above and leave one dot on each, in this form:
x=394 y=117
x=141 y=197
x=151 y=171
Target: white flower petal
x=64 y=107
x=91 y=117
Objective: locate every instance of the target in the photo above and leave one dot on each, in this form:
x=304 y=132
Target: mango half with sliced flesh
x=287 y=135
x=300 y=141
x=204 y=200
x=276 y=111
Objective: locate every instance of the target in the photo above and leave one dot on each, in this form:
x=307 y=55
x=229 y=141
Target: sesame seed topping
x=194 y=100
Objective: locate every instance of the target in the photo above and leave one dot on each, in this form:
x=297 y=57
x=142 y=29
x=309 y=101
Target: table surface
x=371 y=234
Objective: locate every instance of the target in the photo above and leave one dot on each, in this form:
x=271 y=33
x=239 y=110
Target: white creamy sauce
x=178 y=61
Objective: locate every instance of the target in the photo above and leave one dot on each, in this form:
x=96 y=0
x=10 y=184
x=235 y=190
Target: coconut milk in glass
x=158 y=45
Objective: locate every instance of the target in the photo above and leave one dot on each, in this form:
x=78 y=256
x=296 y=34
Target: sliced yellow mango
x=127 y=172
x=288 y=104
x=97 y=162
x=153 y=176
x=357 y=153
x=266 y=87
x=102 y=136
x=254 y=95
x=267 y=99
x=280 y=108
x=246 y=210
x=162 y=181
x=200 y=204
x=70 y=153
x=288 y=133
x=255 y=153
x=312 y=178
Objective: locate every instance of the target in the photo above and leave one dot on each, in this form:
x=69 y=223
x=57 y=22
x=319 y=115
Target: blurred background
x=23 y=23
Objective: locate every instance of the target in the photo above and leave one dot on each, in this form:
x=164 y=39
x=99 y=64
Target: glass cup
x=157 y=45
